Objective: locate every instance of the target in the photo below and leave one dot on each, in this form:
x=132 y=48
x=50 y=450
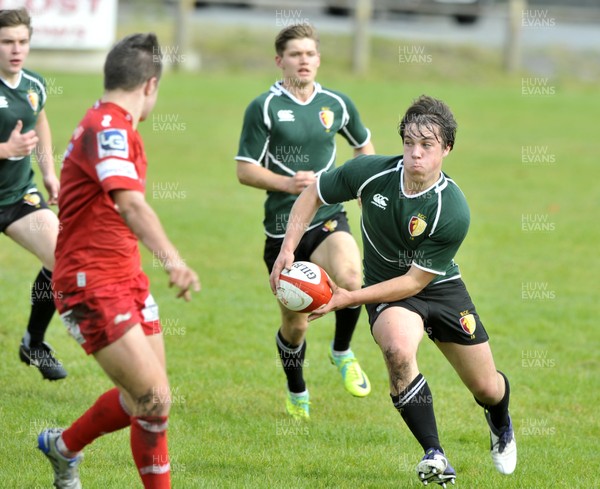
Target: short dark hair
x=296 y=31
x=15 y=17
x=132 y=61
x=429 y=113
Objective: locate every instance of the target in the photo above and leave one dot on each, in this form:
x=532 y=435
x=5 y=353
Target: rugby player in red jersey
x=101 y=291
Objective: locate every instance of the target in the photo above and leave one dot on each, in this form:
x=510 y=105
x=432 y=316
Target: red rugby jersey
x=95 y=247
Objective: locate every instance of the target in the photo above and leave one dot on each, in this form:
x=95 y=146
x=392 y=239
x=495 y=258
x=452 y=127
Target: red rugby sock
x=150 y=450
x=105 y=416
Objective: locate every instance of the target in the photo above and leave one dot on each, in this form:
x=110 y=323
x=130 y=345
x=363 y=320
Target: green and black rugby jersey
x=23 y=101
x=285 y=135
x=424 y=229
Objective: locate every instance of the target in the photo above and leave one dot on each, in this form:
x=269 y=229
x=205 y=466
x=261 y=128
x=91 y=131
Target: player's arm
x=367 y=149
x=301 y=215
x=144 y=223
x=45 y=158
x=260 y=177
x=398 y=288
x=18 y=144
x=355 y=131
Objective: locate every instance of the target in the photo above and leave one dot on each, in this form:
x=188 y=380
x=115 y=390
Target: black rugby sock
x=42 y=306
x=292 y=360
x=415 y=404
x=499 y=412
x=345 y=324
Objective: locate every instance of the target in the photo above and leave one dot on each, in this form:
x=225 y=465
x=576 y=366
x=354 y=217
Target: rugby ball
x=304 y=287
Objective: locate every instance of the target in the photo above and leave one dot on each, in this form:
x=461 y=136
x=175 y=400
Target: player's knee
x=155 y=401
x=294 y=323
x=350 y=278
x=398 y=354
x=48 y=261
x=295 y=332
x=400 y=362
x=485 y=391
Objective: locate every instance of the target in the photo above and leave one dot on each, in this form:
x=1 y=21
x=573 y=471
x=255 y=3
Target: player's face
x=299 y=62
x=423 y=155
x=14 y=48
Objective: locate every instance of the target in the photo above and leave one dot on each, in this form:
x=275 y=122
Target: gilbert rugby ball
x=304 y=287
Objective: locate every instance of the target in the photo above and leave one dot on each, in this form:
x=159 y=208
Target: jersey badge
x=32 y=199
x=3 y=102
x=113 y=142
x=285 y=115
x=326 y=117
x=330 y=226
x=34 y=100
x=380 y=201
x=468 y=323
x=416 y=226
x=106 y=120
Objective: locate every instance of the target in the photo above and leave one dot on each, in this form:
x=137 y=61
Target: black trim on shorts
x=447 y=311
x=309 y=242
x=25 y=206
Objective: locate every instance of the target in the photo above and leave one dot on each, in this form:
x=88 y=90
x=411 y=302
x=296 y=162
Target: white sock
x=340 y=353
x=299 y=394
x=63 y=450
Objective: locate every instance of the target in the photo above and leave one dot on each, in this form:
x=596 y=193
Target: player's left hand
x=183 y=278
x=52 y=185
x=283 y=262
x=340 y=299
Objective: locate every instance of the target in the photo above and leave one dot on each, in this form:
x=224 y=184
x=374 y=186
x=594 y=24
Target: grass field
x=528 y=166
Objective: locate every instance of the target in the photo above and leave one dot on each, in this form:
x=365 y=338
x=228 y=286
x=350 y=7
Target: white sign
x=69 y=24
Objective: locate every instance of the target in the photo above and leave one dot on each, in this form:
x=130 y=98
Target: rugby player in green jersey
x=288 y=138
x=24 y=214
x=414 y=219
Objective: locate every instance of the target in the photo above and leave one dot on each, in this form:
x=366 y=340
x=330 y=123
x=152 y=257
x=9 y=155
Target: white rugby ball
x=304 y=287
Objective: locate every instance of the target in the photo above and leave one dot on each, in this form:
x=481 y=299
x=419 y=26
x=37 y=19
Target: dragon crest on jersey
x=416 y=226
x=34 y=100
x=326 y=117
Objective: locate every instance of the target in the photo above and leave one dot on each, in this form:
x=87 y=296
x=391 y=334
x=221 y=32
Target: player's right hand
x=300 y=181
x=184 y=279
x=21 y=144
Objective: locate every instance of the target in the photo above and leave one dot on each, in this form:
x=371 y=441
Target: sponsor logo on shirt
x=326 y=117
x=3 y=102
x=286 y=115
x=380 y=201
x=416 y=225
x=106 y=120
x=113 y=142
x=114 y=167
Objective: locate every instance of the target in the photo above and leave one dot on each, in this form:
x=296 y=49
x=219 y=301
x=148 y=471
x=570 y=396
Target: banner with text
x=70 y=24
